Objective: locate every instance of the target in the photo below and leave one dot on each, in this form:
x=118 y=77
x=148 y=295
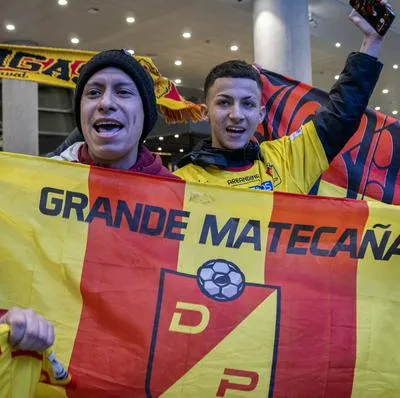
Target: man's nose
x=236 y=112
x=106 y=102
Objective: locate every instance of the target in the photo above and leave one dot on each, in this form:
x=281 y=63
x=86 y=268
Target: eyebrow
x=100 y=83
x=243 y=98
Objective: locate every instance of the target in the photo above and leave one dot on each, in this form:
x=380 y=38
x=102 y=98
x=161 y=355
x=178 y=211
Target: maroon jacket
x=146 y=163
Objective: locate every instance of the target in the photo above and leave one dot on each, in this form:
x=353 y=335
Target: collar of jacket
x=205 y=155
x=147 y=162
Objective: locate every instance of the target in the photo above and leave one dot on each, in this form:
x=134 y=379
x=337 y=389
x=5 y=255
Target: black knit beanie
x=120 y=59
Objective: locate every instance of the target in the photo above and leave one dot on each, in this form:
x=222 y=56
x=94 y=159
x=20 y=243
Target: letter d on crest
x=179 y=327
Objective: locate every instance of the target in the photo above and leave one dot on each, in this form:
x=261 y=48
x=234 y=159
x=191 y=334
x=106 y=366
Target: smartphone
x=380 y=17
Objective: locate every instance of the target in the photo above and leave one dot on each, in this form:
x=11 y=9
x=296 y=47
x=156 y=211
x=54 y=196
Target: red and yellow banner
x=369 y=165
x=61 y=67
x=159 y=288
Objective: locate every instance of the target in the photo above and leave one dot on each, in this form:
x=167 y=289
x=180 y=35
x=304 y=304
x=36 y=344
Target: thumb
x=355 y=16
x=17 y=322
x=17 y=333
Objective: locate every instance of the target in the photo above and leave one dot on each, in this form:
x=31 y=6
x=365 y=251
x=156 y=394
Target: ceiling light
x=395 y=66
x=181 y=150
x=395 y=112
x=130 y=19
x=144 y=141
x=10 y=26
x=75 y=40
x=186 y=35
x=93 y=10
x=131 y=51
x=234 y=47
x=337 y=44
x=176 y=135
x=377 y=108
x=385 y=91
x=178 y=81
x=161 y=138
x=337 y=77
x=62 y=2
x=159 y=149
x=178 y=62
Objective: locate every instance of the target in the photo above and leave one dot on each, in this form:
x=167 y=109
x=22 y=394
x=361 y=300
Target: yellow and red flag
x=61 y=67
x=160 y=288
x=367 y=168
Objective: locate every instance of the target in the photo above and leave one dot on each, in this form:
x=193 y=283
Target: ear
x=204 y=111
x=263 y=112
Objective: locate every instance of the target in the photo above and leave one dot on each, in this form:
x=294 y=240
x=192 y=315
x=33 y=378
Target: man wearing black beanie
x=115 y=109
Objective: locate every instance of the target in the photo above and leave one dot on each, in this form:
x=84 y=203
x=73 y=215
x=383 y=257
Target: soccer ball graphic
x=221 y=280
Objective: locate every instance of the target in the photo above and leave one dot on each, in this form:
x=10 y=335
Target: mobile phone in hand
x=380 y=17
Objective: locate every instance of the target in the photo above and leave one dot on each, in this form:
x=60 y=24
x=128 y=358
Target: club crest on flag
x=194 y=339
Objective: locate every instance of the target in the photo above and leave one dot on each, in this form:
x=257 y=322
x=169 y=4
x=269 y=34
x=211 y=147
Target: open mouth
x=235 y=130
x=107 y=127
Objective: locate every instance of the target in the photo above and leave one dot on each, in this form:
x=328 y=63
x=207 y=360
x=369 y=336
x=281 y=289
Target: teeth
x=235 y=130
x=107 y=126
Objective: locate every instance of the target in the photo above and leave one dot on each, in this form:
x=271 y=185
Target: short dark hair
x=233 y=68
